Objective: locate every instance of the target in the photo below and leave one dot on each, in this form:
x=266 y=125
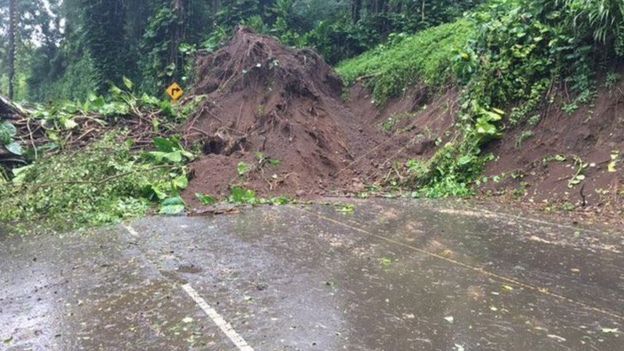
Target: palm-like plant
x=604 y=18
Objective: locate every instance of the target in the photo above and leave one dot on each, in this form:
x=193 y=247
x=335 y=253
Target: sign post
x=175 y=92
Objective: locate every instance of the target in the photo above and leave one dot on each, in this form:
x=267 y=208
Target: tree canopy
x=68 y=48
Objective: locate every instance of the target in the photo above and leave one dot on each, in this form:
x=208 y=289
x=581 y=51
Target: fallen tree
x=10 y=110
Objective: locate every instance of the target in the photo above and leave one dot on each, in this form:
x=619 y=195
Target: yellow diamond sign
x=175 y=91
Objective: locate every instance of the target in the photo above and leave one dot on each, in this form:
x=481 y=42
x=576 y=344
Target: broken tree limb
x=11 y=110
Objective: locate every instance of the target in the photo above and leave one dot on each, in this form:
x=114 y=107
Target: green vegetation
x=89 y=162
x=425 y=58
x=103 y=183
x=72 y=183
x=69 y=49
x=8 y=132
x=507 y=54
x=242 y=196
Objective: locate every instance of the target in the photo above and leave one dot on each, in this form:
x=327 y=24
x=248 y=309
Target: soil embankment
x=569 y=159
x=275 y=120
x=279 y=121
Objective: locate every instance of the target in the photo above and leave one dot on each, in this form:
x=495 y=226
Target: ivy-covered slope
x=426 y=58
x=511 y=58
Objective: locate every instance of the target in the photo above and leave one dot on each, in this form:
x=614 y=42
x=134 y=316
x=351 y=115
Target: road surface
x=393 y=275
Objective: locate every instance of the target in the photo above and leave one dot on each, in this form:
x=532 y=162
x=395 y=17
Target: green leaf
x=164 y=144
x=465 y=160
x=167 y=108
x=172 y=206
x=150 y=100
x=20 y=174
x=7 y=132
x=615 y=156
x=96 y=101
x=486 y=128
x=498 y=111
x=241 y=195
x=493 y=116
x=162 y=157
x=175 y=157
x=15 y=148
x=115 y=90
x=187 y=154
x=8 y=128
x=70 y=124
x=243 y=168
x=612 y=167
x=160 y=194
x=181 y=182
x=176 y=200
x=128 y=83
x=206 y=200
x=560 y=158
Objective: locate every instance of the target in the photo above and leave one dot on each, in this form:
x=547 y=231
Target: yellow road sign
x=175 y=91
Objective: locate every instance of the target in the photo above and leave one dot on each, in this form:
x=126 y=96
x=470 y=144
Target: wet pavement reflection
x=394 y=275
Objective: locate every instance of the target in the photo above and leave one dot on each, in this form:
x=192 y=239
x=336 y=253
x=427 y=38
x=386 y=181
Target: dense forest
x=510 y=81
x=65 y=49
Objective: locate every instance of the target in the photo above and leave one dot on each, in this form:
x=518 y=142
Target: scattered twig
x=32 y=139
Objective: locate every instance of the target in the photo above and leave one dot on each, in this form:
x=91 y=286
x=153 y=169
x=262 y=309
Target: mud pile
x=274 y=120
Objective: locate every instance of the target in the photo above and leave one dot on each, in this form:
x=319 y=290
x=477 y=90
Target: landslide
x=274 y=120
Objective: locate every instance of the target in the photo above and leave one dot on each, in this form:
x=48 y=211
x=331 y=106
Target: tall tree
x=11 y=56
x=356 y=9
x=104 y=23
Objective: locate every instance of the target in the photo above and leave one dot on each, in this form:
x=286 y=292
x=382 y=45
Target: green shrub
x=425 y=58
x=101 y=184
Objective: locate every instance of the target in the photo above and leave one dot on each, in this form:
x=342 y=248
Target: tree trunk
x=356 y=9
x=179 y=9
x=9 y=110
x=11 y=58
x=216 y=5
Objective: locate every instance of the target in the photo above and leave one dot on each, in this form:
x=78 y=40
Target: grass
x=425 y=58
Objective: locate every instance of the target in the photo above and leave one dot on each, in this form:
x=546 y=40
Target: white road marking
x=131 y=230
x=226 y=327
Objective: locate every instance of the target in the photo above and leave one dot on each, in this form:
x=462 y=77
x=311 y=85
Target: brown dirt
x=529 y=173
x=287 y=104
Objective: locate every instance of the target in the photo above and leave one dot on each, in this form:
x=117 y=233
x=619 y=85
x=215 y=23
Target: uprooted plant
x=102 y=183
x=96 y=162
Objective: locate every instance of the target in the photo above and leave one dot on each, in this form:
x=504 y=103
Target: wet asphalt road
x=395 y=275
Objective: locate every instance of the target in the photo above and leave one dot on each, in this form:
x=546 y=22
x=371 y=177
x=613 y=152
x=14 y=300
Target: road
x=393 y=275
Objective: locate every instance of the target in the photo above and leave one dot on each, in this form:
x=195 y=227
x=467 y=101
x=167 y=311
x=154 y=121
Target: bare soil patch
x=544 y=168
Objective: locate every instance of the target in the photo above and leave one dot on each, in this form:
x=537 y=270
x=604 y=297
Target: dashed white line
x=131 y=230
x=226 y=327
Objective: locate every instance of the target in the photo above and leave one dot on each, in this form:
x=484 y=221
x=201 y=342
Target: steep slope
x=567 y=159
